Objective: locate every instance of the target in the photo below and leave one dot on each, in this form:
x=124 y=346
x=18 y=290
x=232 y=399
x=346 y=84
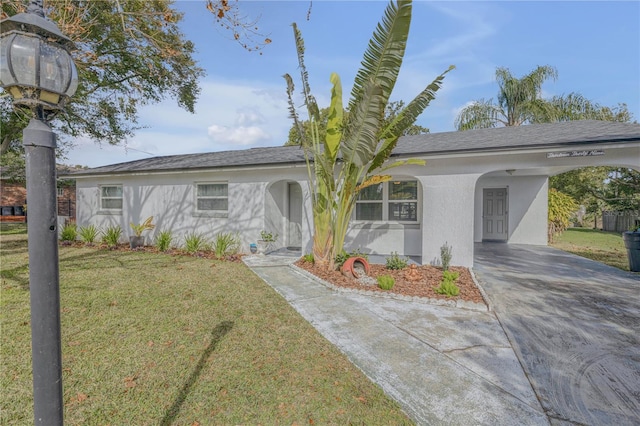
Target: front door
x=495 y=214
x=294 y=227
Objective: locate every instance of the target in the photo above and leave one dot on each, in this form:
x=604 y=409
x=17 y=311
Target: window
x=394 y=201
x=60 y=192
x=111 y=197
x=212 y=197
x=369 y=204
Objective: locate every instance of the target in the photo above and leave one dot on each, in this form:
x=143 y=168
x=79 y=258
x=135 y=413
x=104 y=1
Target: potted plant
x=631 y=240
x=265 y=241
x=137 y=240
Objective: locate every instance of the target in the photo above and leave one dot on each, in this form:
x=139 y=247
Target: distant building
x=13 y=195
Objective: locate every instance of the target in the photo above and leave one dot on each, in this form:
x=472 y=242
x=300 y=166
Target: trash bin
x=7 y=210
x=632 y=243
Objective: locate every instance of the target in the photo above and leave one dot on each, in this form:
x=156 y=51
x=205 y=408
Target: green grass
x=154 y=339
x=13 y=228
x=605 y=247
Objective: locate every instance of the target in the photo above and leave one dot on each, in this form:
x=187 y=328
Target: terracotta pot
x=350 y=266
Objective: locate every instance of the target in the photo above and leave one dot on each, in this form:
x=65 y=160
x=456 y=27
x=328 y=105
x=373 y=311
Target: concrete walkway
x=443 y=365
x=575 y=326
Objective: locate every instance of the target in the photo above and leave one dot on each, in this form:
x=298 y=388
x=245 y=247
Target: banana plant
x=355 y=152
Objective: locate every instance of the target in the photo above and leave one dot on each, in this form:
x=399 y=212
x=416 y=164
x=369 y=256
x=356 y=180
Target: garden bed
x=424 y=287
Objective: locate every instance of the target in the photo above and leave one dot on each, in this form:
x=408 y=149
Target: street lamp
x=37 y=71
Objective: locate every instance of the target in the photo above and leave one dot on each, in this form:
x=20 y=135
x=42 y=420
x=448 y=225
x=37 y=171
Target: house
x=477 y=185
x=13 y=194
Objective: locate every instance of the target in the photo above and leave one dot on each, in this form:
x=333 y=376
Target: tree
x=353 y=152
x=243 y=29
x=520 y=102
x=576 y=107
x=129 y=53
x=600 y=188
x=390 y=112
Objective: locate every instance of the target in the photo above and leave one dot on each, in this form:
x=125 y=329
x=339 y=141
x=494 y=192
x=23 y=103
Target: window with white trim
x=60 y=192
x=111 y=197
x=393 y=201
x=212 y=197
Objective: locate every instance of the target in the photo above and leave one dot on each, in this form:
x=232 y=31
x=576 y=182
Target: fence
x=620 y=221
x=67 y=207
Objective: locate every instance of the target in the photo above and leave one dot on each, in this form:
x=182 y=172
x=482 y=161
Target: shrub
x=194 y=242
x=396 y=262
x=111 y=236
x=386 y=282
x=89 y=234
x=226 y=244
x=358 y=253
x=308 y=258
x=448 y=286
x=163 y=240
x=268 y=236
x=561 y=208
x=450 y=276
x=342 y=257
x=445 y=256
x=138 y=229
x=69 y=232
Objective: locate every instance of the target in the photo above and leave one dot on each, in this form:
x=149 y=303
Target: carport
x=573 y=324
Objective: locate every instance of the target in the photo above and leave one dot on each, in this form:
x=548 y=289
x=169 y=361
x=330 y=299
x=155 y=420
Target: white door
x=294 y=228
x=494 y=214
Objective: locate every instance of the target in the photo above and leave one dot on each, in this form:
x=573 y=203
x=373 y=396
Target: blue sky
x=595 y=47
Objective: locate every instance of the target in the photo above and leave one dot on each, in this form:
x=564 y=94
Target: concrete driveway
x=575 y=326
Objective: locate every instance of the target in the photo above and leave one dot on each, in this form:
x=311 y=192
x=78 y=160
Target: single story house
x=477 y=185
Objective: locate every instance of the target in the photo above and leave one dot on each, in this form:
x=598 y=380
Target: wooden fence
x=620 y=221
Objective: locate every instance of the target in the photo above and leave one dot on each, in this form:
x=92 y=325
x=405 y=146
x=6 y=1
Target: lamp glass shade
x=29 y=62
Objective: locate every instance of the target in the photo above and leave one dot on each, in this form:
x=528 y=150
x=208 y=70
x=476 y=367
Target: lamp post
x=37 y=71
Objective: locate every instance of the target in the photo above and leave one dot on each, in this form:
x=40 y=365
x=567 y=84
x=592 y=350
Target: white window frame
x=60 y=192
x=386 y=202
x=102 y=197
x=211 y=213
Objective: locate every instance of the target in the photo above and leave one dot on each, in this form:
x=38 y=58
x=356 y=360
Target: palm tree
x=574 y=106
x=356 y=146
x=519 y=101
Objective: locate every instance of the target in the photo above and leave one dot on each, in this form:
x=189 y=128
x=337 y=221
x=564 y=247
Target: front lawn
x=605 y=247
x=154 y=339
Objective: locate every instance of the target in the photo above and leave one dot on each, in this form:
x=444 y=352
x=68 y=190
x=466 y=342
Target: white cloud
x=248 y=116
x=244 y=136
x=228 y=115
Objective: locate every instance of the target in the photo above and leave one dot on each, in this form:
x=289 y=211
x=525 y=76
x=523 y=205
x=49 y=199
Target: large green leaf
x=334 y=122
x=309 y=100
x=383 y=57
x=361 y=133
x=293 y=114
x=405 y=118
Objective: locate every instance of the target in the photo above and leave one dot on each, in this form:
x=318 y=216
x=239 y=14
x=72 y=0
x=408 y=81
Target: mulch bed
x=429 y=277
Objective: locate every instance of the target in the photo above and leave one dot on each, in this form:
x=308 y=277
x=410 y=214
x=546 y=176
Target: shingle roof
x=520 y=137
x=497 y=139
x=208 y=160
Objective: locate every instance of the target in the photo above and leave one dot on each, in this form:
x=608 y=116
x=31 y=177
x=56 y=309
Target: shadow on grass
x=216 y=335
